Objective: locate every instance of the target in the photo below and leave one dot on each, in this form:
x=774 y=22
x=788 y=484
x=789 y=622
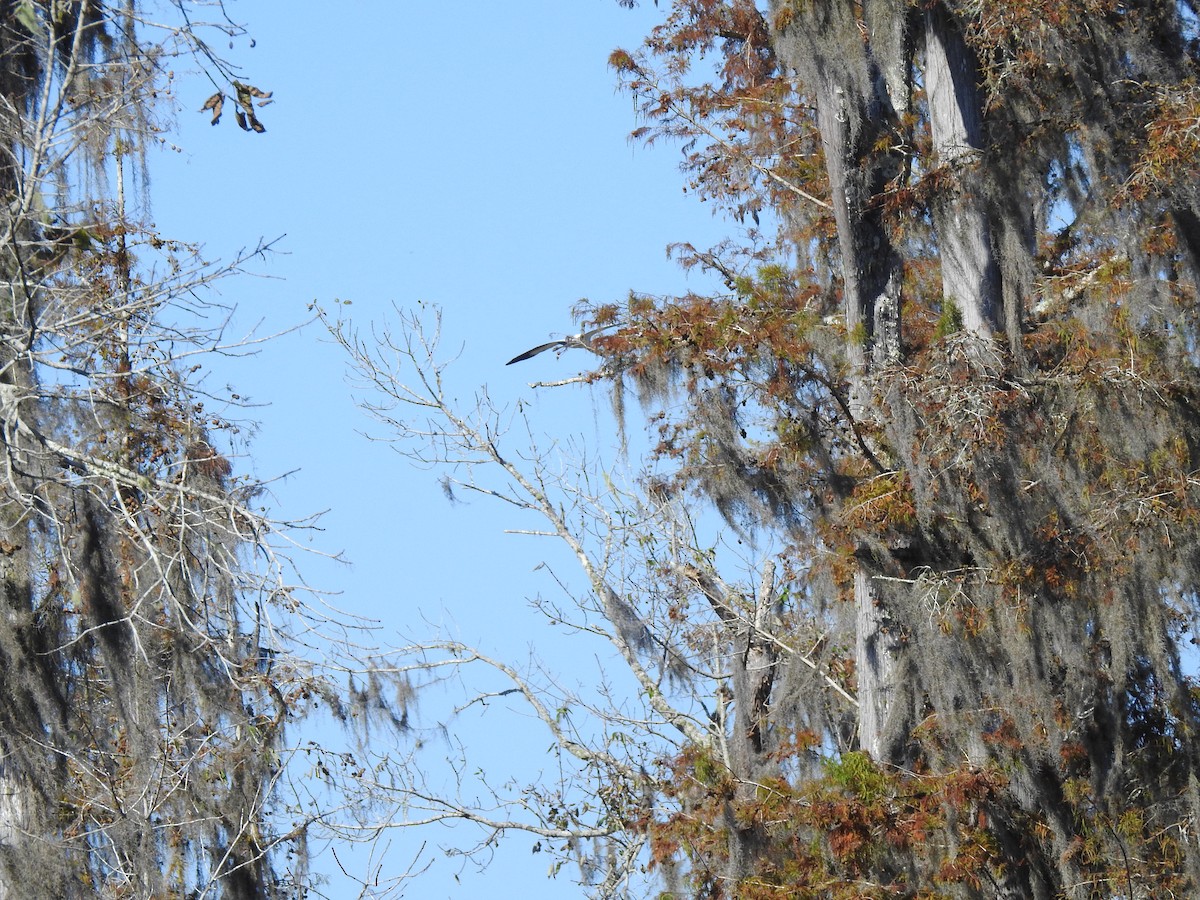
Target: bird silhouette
x=583 y=341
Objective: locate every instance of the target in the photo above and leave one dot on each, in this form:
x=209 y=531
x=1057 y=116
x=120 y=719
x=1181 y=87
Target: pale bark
x=876 y=665
x=970 y=275
x=825 y=46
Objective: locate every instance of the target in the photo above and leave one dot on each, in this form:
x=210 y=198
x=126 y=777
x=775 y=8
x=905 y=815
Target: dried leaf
x=246 y=93
x=216 y=103
x=241 y=120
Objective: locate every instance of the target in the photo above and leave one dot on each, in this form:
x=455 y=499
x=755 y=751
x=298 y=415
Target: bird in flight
x=582 y=340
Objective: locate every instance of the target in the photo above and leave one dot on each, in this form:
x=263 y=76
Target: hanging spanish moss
x=143 y=705
x=955 y=367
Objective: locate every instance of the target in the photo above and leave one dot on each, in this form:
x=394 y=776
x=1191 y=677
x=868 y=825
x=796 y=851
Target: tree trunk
x=970 y=276
x=825 y=45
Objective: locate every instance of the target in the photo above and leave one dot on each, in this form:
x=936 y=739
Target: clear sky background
x=472 y=155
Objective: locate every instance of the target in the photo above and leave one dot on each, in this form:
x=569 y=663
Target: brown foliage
x=1021 y=492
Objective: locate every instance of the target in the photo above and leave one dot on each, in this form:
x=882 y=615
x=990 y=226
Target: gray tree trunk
x=970 y=275
x=853 y=93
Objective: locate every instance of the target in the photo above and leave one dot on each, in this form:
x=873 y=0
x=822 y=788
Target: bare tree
x=691 y=641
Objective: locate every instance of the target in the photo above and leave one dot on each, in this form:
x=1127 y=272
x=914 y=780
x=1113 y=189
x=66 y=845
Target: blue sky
x=472 y=156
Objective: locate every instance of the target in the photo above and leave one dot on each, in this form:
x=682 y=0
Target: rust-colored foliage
x=1000 y=485
x=837 y=832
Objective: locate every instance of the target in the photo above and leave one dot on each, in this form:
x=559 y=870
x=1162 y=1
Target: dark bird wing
x=582 y=341
x=530 y=354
